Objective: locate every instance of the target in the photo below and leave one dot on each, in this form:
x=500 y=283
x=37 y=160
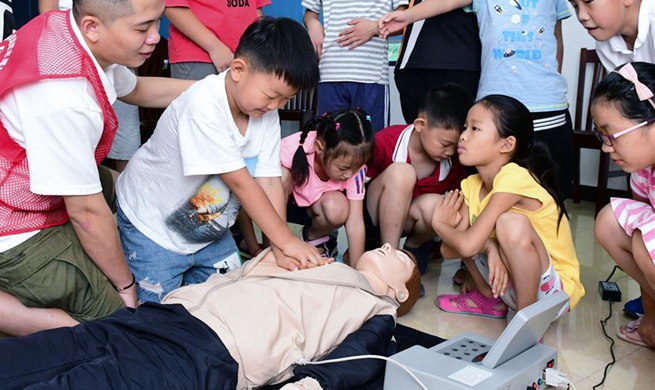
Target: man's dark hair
x=106 y=10
x=280 y=46
x=446 y=107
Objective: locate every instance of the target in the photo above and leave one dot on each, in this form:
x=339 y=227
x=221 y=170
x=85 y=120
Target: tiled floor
x=583 y=351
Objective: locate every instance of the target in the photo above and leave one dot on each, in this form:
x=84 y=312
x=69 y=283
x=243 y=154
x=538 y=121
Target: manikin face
x=632 y=151
x=479 y=144
x=129 y=40
x=392 y=266
x=602 y=19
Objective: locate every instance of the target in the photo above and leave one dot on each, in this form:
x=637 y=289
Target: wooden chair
x=591 y=72
x=301 y=108
x=156 y=65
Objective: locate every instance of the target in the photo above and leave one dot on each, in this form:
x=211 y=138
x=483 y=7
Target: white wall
x=575 y=38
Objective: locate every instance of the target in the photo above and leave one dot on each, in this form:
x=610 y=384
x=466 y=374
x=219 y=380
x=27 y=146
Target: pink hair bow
x=643 y=92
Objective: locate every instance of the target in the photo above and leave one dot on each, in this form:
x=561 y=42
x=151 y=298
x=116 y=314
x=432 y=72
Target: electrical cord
x=602 y=326
x=556 y=378
x=304 y=361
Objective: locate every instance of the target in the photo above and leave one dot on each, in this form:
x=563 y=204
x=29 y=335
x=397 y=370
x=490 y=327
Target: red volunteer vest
x=45 y=48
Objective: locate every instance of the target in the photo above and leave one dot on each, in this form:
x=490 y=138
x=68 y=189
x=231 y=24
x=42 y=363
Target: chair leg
x=601 y=187
x=576 y=175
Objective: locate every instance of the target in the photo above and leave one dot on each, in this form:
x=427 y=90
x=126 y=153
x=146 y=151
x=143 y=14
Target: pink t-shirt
x=227 y=19
x=315 y=187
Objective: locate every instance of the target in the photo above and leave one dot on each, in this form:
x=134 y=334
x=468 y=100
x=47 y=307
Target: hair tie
x=368 y=118
x=643 y=92
x=325 y=114
x=337 y=126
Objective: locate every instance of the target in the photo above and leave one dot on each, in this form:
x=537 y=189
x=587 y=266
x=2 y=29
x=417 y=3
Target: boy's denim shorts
x=159 y=271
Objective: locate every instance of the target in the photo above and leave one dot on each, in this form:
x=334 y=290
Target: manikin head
x=392 y=272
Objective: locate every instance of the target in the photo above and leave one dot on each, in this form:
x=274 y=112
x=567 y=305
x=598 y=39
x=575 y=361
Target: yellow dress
x=515 y=179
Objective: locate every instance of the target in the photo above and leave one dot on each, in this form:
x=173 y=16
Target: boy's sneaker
x=423 y=254
x=634 y=308
x=326 y=244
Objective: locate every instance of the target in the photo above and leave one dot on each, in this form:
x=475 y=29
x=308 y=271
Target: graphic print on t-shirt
x=207 y=214
x=523 y=33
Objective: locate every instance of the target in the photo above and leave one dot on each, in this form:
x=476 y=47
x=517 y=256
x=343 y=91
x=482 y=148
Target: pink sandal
x=485 y=306
x=629 y=333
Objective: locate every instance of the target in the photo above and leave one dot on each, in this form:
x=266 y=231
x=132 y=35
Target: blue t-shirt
x=519 y=51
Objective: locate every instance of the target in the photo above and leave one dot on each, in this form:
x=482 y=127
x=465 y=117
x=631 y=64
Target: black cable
x=612 y=273
x=602 y=326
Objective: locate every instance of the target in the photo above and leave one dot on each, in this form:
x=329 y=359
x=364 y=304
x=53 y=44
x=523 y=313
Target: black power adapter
x=609 y=291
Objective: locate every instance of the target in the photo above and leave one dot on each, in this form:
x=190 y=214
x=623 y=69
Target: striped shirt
x=632 y=214
x=367 y=63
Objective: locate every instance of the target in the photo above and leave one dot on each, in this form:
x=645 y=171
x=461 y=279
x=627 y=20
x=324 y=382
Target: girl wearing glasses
x=624 y=113
x=512 y=229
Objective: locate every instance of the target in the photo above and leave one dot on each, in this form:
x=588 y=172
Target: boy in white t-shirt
x=622 y=29
x=182 y=190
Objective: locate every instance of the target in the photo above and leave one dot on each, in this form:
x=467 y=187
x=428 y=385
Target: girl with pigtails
x=323 y=171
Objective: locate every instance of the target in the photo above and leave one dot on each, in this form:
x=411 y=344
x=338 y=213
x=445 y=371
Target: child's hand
x=316 y=35
x=221 y=57
x=362 y=31
x=446 y=210
x=300 y=255
x=392 y=22
x=498 y=274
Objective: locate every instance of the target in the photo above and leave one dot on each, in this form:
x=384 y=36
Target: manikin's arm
x=187 y=22
x=95 y=226
x=156 y=92
x=397 y=20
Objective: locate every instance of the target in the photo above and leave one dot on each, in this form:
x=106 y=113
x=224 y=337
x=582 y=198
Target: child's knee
x=607 y=226
x=336 y=207
x=401 y=176
x=511 y=230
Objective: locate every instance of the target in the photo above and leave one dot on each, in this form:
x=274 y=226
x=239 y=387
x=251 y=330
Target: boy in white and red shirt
x=411 y=167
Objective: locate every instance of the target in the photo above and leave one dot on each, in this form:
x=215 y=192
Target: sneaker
x=634 y=308
x=326 y=244
x=423 y=254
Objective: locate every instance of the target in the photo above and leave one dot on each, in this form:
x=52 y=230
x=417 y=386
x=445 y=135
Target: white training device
x=516 y=360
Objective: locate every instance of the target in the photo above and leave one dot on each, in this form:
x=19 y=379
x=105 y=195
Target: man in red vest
x=60 y=258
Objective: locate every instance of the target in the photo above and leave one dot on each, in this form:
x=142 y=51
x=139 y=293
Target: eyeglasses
x=608 y=139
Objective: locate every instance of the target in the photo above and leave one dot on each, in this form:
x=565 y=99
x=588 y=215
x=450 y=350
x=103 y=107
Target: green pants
x=52 y=270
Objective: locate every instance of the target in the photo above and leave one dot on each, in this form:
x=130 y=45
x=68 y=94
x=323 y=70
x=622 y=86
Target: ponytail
x=543 y=168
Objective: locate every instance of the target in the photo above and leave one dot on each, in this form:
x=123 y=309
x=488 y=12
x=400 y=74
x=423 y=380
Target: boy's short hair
x=106 y=10
x=280 y=46
x=446 y=107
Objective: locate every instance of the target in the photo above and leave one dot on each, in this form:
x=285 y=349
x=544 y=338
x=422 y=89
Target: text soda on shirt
x=238 y=3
